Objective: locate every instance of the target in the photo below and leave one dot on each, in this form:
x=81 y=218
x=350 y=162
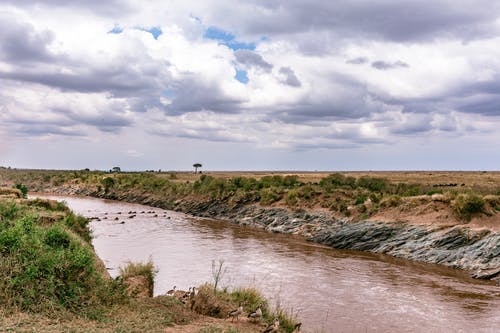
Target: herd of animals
x=187 y=297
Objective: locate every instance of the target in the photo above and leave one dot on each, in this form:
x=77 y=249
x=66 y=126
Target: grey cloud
x=348 y=99
x=110 y=120
x=249 y=58
x=382 y=65
x=411 y=20
x=107 y=7
x=192 y=95
x=47 y=129
x=19 y=42
x=357 y=61
x=413 y=125
x=121 y=81
x=289 y=77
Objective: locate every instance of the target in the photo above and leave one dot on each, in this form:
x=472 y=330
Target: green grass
x=46 y=267
x=465 y=206
x=146 y=270
x=336 y=191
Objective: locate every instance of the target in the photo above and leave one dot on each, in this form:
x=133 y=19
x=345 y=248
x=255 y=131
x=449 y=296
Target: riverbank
x=476 y=250
x=456 y=227
x=53 y=281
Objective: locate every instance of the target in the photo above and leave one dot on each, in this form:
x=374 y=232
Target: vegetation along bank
x=448 y=218
x=52 y=281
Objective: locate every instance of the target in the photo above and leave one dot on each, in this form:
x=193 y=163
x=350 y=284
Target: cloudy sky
x=250 y=84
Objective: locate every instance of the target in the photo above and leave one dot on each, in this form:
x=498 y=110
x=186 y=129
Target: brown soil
x=206 y=323
x=434 y=213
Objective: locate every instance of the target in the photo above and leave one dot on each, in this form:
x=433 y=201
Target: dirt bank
x=471 y=247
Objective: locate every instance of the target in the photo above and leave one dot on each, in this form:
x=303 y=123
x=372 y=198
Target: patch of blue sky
x=241 y=76
x=169 y=93
x=155 y=31
x=116 y=30
x=227 y=38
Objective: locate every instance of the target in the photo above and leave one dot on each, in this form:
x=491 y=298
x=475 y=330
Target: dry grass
x=140 y=315
x=488 y=180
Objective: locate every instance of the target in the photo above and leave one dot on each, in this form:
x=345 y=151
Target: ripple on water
x=332 y=291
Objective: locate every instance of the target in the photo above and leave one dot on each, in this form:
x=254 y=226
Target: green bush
x=465 y=206
x=336 y=180
x=291 y=198
x=270 y=195
x=56 y=237
x=108 y=183
x=374 y=184
x=45 y=270
x=146 y=270
x=23 y=189
x=391 y=201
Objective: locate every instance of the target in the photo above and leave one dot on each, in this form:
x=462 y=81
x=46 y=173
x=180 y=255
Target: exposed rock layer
x=477 y=251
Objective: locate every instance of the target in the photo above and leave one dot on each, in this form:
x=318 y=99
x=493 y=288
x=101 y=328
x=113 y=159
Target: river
x=329 y=290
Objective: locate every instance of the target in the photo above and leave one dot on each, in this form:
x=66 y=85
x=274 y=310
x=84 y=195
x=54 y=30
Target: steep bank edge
x=477 y=251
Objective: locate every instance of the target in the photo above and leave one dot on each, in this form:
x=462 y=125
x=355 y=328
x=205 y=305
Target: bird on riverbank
x=297 y=327
x=274 y=327
x=185 y=296
x=256 y=315
x=236 y=313
x=171 y=291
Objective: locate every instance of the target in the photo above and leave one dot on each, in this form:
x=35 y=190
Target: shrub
x=108 y=183
x=56 y=237
x=373 y=184
x=23 y=189
x=215 y=304
x=270 y=195
x=145 y=270
x=47 y=270
x=335 y=180
x=291 y=198
x=467 y=205
x=251 y=298
x=391 y=201
x=8 y=210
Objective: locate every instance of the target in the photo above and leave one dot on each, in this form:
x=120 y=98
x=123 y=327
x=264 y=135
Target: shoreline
x=476 y=251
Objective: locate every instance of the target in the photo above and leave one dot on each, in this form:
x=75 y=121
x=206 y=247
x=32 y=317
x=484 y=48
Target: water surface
x=329 y=290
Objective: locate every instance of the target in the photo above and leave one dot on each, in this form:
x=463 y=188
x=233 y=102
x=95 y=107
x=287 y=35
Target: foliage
x=46 y=268
x=108 y=183
x=146 y=270
x=336 y=180
x=23 y=189
x=374 y=184
x=465 y=206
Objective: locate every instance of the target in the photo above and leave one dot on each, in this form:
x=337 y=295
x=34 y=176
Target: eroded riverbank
x=332 y=291
x=457 y=246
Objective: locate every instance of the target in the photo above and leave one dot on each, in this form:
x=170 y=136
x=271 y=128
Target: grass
x=465 y=206
x=46 y=268
x=344 y=194
x=143 y=273
x=51 y=279
x=219 y=303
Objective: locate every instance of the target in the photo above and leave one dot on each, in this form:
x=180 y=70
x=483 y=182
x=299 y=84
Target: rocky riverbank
x=456 y=246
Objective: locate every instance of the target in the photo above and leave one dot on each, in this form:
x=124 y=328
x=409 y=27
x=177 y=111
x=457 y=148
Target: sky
x=250 y=84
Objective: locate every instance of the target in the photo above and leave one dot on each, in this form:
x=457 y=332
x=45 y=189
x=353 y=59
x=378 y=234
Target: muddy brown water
x=329 y=290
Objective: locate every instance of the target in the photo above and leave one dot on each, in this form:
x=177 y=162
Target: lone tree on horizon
x=196 y=166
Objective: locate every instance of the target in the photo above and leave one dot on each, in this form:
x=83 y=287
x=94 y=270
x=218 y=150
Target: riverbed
x=329 y=290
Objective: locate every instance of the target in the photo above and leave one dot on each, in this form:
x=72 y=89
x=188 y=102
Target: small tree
x=196 y=166
x=116 y=169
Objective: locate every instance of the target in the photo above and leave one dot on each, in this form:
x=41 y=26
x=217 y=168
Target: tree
x=116 y=169
x=196 y=166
